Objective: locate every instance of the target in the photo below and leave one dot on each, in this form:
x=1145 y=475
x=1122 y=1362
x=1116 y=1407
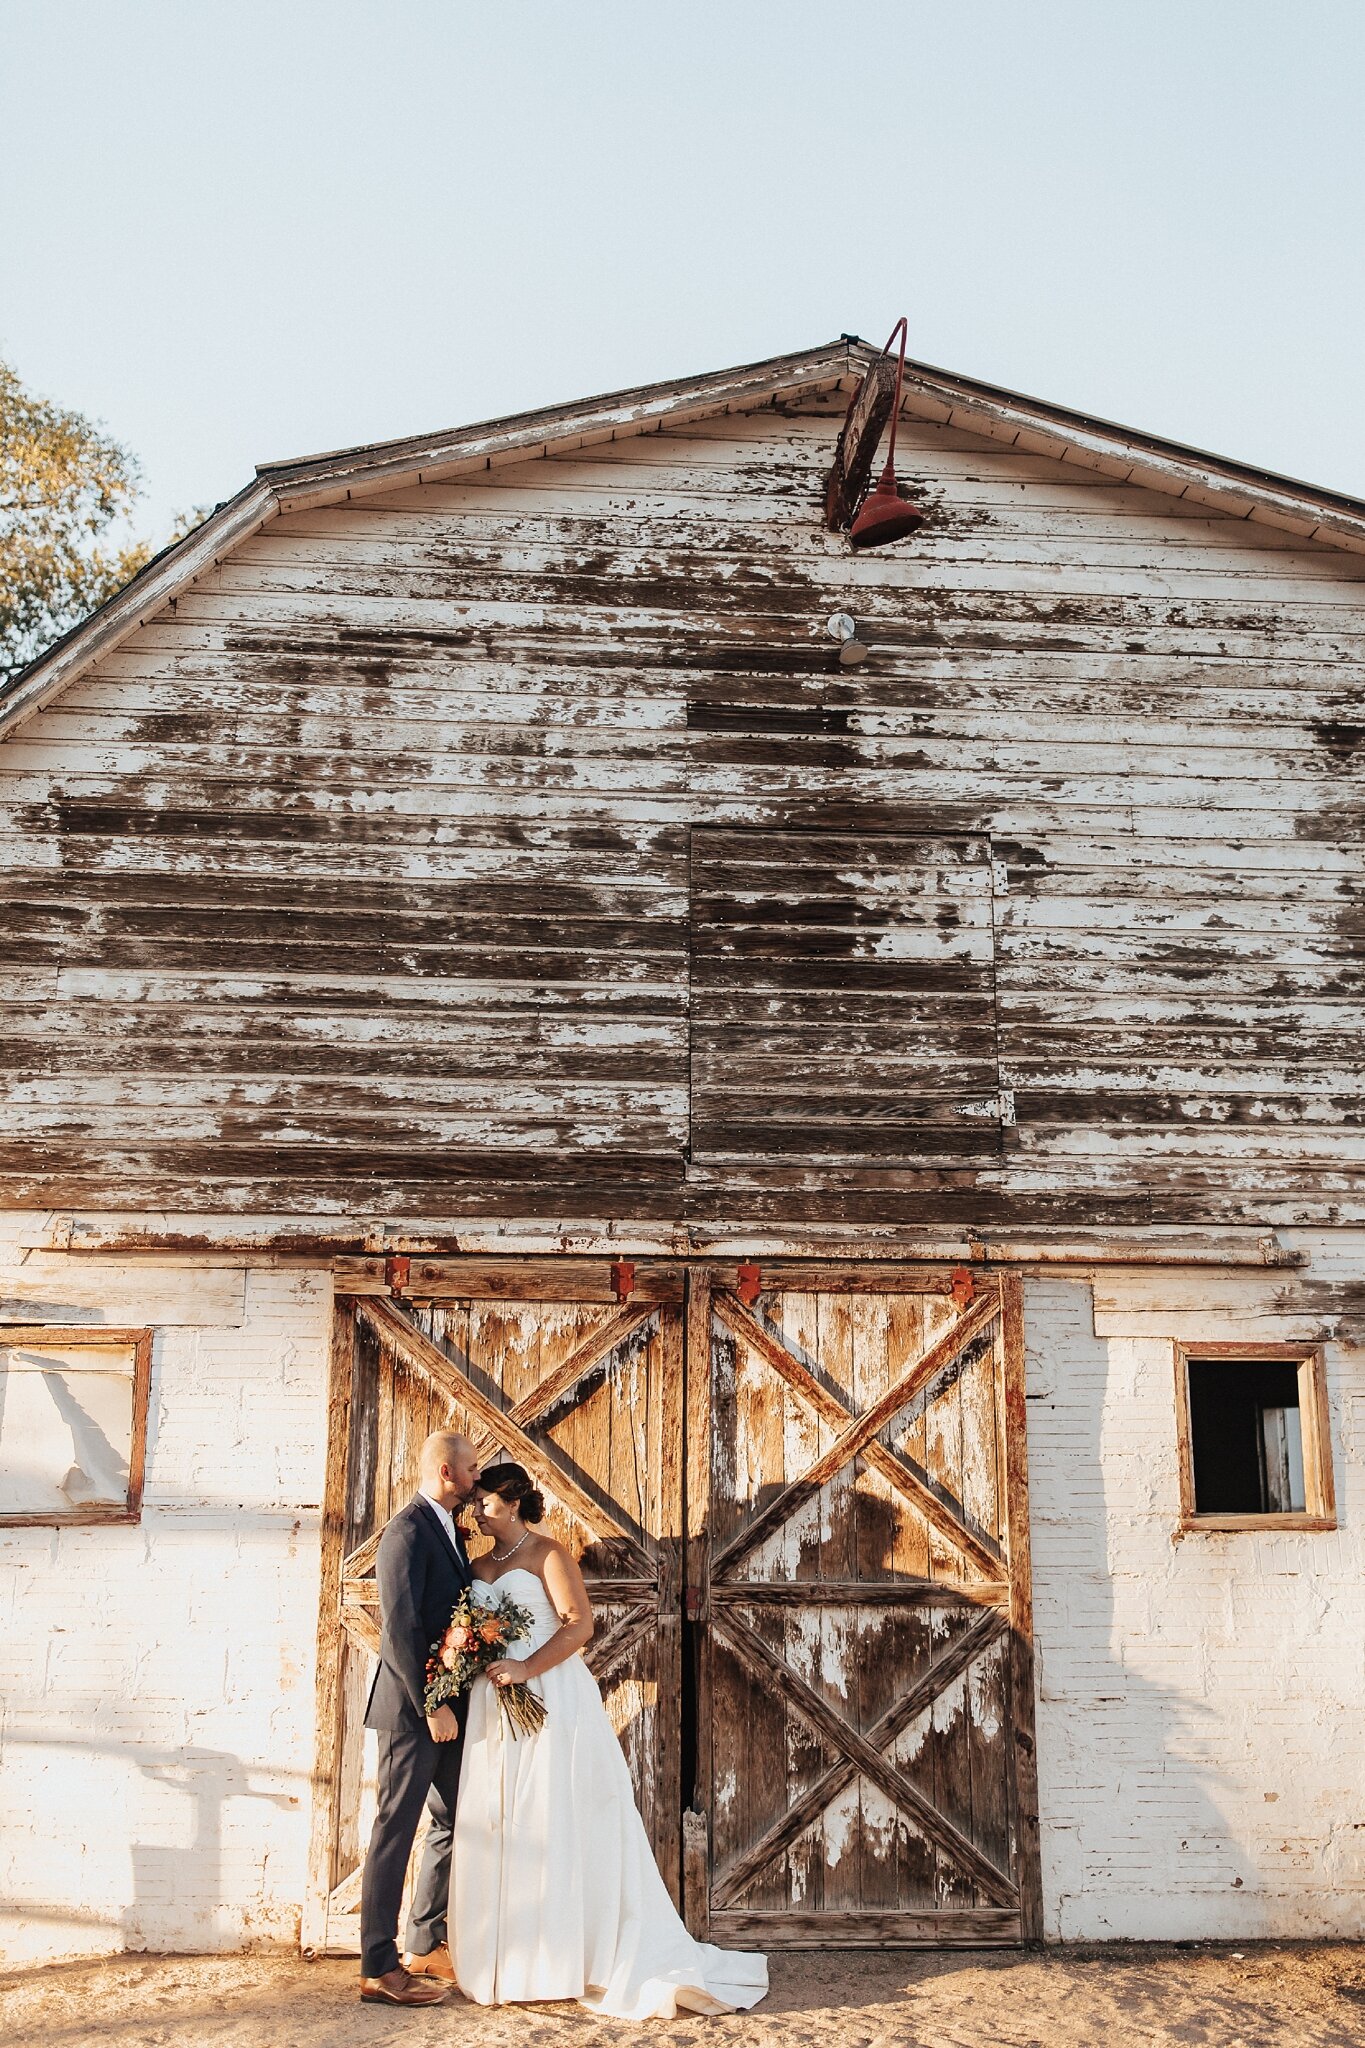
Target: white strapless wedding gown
x=554 y=1890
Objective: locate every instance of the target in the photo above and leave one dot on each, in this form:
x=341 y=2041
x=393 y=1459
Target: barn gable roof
x=1028 y=424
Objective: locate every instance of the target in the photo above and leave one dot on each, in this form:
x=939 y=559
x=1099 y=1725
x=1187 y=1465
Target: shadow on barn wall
x=177 y=1894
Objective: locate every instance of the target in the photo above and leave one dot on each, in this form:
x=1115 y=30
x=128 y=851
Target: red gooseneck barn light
x=885 y=515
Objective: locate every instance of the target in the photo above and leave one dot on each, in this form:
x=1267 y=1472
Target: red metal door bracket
x=750 y=1283
x=622 y=1278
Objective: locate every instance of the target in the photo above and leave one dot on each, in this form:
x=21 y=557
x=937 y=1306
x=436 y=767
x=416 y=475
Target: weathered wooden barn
x=884 y=1139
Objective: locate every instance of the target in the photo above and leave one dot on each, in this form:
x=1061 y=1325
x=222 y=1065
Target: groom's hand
x=443 y=1725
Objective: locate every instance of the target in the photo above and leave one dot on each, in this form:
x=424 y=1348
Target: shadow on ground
x=1281 y=1995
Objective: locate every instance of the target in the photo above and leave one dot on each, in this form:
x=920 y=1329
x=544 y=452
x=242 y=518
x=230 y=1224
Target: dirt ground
x=1285 y=1995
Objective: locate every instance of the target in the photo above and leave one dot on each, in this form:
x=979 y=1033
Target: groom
x=422 y=1569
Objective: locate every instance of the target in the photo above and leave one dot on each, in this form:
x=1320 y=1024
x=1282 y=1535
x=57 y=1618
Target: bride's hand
x=505 y=1672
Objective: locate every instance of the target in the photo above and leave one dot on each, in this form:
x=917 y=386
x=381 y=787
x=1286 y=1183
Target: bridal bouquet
x=477 y=1637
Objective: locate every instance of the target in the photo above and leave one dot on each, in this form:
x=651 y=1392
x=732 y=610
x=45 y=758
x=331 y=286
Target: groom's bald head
x=448 y=1467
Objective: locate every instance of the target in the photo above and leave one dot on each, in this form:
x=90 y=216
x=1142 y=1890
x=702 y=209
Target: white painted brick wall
x=156 y=1732
x=1200 y=1701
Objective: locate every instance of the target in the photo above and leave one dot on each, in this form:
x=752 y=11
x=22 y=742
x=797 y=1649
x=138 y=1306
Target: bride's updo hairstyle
x=514 y=1484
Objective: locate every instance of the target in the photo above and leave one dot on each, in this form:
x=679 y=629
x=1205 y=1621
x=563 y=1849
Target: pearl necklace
x=501 y=1557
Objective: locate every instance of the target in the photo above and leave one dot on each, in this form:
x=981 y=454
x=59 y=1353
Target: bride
x=554 y=1889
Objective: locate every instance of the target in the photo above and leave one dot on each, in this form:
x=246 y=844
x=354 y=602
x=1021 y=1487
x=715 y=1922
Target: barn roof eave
x=611 y=414
x=1029 y=424
x=1038 y=426
x=120 y=616
x=323 y=479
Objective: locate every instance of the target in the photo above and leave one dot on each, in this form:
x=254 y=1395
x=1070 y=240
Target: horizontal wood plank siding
x=842 y=999
x=358 y=882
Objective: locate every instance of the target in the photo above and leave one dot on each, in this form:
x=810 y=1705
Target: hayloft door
x=547 y=1367
x=858 y=1574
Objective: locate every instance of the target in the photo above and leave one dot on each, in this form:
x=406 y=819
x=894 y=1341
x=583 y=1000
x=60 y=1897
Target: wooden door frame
x=323 y=1833
x=1014 y=1463
x=683 y=1564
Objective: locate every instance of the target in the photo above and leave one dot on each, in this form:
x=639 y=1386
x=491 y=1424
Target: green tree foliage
x=63 y=484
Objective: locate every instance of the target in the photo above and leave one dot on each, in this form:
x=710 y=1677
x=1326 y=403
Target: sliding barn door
x=858 y=1567
x=587 y=1394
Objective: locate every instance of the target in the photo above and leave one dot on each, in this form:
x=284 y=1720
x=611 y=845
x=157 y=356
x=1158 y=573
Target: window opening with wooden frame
x=1254 y=1439
x=73 y=1423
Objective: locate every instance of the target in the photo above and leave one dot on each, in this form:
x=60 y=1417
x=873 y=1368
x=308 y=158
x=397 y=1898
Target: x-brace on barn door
x=858 y=1562
x=586 y=1392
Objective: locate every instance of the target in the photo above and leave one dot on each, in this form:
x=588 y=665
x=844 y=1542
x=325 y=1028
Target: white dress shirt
x=447 y=1520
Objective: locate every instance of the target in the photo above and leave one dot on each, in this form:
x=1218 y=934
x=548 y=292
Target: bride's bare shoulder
x=559 y=1569
x=551 y=1561
x=541 y=1550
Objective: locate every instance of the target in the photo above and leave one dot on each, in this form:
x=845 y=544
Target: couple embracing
x=537 y=1880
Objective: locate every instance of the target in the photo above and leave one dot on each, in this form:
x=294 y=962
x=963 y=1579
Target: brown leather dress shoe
x=435 y=1964
x=400 y=1987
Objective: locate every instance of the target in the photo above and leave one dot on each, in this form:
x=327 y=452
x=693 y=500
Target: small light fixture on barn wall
x=884 y=514
x=844 y=629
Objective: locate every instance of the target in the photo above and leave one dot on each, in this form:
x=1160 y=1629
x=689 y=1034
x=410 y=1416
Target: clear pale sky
x=241 y=231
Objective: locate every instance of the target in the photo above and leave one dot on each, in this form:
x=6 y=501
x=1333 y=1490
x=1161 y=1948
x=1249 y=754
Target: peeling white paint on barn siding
x=462 y=694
